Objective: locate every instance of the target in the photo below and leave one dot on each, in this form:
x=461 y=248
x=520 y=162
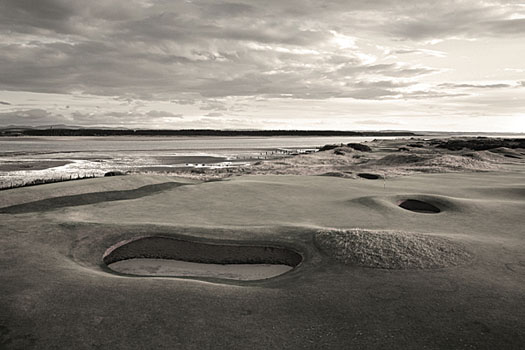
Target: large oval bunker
x=168 y=256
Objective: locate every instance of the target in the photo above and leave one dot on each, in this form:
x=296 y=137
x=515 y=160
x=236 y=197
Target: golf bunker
x=418 y=206
x=369 y=176
x=173 y=257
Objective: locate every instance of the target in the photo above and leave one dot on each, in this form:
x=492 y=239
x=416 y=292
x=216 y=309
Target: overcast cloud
x=196 y=63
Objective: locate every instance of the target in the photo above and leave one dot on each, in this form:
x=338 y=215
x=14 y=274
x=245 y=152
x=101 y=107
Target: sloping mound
x=400 y=159
x=359 y=147
x=475 y=162
x=390 y=249
x=507 y=152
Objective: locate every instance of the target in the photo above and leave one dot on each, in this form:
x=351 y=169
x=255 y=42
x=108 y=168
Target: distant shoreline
x=196 y=132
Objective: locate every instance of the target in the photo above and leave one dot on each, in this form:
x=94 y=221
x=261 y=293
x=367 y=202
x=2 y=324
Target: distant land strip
x=194 y=132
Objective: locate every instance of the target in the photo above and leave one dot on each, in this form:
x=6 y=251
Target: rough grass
x=43 y=181
x=459 y=162
x=389 y=249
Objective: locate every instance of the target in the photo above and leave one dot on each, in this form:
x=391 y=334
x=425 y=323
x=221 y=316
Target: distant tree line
x=201 y=132
x=479 y=143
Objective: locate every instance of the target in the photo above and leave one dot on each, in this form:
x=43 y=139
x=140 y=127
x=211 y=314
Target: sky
x=275 y=64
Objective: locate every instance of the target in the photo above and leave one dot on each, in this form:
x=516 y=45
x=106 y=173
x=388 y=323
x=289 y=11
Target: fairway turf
x=56 y=292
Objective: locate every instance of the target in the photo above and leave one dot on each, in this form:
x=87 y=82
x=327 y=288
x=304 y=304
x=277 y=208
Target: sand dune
x=386 y=157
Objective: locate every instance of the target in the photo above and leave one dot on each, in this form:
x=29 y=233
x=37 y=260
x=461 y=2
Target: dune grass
x=42 y=181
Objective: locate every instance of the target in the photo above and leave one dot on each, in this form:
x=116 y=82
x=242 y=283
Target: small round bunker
x=369 y=176
x=418 y=206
